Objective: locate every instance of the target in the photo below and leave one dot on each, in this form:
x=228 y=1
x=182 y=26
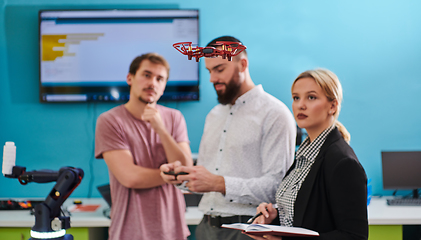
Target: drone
x=228 y=50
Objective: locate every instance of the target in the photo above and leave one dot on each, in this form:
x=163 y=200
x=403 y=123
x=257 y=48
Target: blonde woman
x=325 y=189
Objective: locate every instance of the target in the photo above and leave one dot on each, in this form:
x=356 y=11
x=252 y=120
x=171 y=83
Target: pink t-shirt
x=154 y=213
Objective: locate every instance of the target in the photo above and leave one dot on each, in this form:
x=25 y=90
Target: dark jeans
x=204 y=231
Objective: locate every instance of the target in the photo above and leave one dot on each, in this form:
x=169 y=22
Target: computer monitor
x=402 y=171
x=105 y=192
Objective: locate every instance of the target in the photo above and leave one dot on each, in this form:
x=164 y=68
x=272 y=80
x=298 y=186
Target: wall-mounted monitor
x=85 y=54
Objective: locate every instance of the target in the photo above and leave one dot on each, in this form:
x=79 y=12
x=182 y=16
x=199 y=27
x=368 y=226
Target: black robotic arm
x=49 y=224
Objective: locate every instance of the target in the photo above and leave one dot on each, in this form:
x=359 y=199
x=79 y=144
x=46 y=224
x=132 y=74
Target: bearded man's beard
x=231 y=90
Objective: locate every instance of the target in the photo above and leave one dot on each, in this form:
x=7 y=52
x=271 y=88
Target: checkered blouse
x=291 y=184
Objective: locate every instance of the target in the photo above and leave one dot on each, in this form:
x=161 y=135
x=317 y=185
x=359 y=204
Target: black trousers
x=205 y=231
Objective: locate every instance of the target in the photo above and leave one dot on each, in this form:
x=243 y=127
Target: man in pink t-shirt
x=135 y=139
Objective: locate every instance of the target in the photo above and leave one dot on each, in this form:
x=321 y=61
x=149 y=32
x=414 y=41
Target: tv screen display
x=85 y=54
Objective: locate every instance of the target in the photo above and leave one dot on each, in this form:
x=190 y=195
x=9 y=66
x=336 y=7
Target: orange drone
x=228 y=50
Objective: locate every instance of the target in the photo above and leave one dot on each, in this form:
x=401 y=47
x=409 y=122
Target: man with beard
x=135 y=139
x=247 y=146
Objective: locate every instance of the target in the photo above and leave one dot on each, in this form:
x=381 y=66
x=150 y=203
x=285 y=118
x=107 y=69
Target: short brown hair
x=153 y=57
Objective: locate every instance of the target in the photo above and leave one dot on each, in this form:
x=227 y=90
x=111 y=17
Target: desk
x=84 y=225
x=385 y=222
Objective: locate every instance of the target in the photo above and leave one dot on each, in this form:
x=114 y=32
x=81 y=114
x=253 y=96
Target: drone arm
x=237 y=50
x=181 y=46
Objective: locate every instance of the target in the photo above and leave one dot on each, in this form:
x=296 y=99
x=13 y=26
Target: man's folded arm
x=120 y=163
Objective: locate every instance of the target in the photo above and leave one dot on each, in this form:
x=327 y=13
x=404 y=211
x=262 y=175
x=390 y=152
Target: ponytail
x=345 y=134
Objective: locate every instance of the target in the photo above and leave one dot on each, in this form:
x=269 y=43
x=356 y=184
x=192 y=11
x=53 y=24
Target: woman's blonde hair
x=332 y=88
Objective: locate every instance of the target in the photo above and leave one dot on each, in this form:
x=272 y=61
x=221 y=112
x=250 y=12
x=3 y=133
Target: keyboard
x=404 y=202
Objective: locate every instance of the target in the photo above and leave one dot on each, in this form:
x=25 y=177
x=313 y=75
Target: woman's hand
x=269 y=213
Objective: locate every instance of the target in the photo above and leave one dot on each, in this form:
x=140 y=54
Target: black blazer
x=333 y=198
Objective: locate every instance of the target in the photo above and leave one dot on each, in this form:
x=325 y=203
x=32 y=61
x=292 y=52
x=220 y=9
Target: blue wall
x=373 y=46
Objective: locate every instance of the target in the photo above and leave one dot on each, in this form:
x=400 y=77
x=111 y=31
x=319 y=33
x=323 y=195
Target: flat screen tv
x=85 y=54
